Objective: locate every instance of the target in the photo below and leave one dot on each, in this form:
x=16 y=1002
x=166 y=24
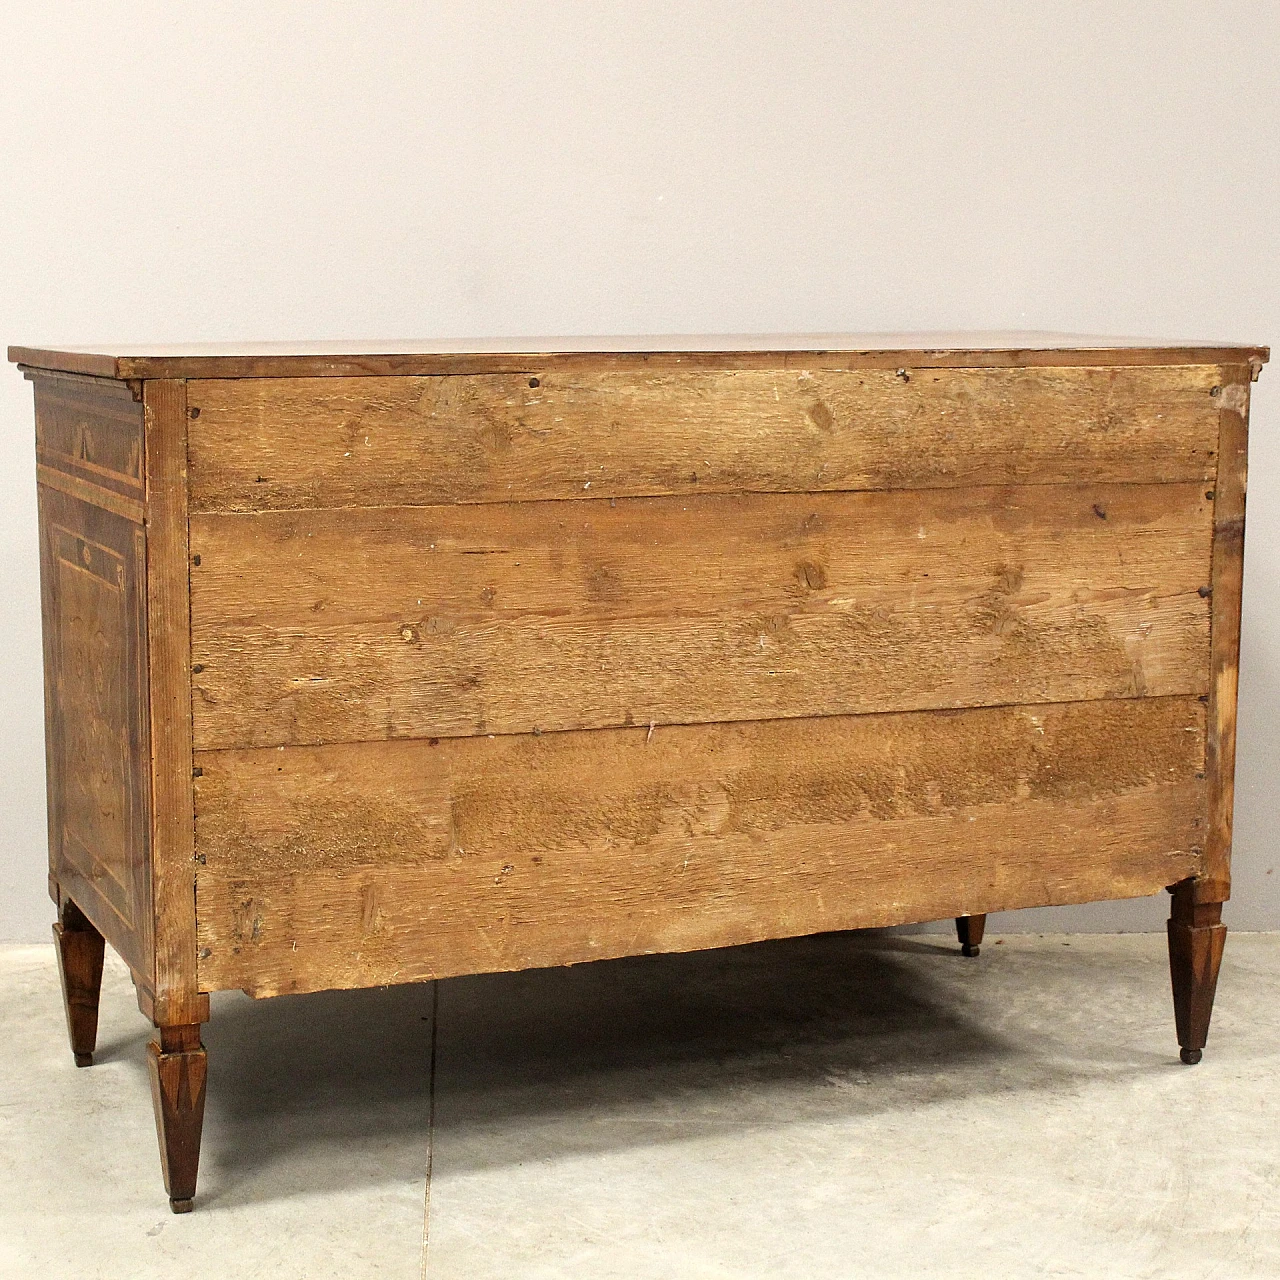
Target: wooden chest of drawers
x=370 y=666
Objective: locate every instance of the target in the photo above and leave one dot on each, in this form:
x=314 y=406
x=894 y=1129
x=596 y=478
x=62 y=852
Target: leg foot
x=1196 y=938
x=969 y=929
x=80 y=949
x=178 y=1066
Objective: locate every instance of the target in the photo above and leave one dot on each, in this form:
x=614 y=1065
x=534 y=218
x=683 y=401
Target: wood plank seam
x=657 y=726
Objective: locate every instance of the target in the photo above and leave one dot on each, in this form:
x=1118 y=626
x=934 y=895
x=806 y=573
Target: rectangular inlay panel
x=96 y=717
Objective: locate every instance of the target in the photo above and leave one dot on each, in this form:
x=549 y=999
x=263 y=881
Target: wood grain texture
x=178 y=1066
x=93 y=585
x=80 y=949
x=361 y=864
x=1197 y=937
x=314 y=627
x=271 y=444
x=93 y=495
x=91 y=431
x=175 y=998
x=1214 y=885
x=497 y=355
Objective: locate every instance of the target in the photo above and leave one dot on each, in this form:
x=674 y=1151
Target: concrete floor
x=843 y=1106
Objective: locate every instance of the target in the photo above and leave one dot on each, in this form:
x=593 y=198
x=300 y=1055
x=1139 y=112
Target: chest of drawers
x=368 y=666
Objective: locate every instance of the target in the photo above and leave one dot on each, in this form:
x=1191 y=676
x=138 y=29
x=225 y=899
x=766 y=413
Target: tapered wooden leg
x=969 y=929
x=1196 y=939
x=80 y=949
x=178 y=1067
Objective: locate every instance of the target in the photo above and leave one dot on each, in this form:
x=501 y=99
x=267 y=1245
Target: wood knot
x=822 y=417
x=811 y=575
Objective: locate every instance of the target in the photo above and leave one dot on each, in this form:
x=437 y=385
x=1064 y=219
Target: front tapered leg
x=178 y=1067
x=969 y=930
x=80 y=949
x=1196 y=938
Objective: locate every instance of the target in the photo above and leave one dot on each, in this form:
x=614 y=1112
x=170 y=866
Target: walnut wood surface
x=178 y=1067
x=854 y=350
x=1196 y=940
x=93 y=589
x=367 y=863
x=80 y=950
x=312 y=627
x=91 y=432
x=263 y=444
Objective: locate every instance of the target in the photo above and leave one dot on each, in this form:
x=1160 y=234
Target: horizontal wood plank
x=368 y=863
x=313 y=627
x=274 y=444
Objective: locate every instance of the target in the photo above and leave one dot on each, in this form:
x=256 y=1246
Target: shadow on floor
x=557 y=1062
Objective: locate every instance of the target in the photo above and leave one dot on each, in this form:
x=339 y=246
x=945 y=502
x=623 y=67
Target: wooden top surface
x=512 y=355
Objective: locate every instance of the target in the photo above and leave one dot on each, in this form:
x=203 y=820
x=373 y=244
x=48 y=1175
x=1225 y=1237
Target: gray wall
x=291 y=170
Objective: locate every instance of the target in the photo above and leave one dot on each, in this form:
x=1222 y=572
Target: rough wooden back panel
x=270 y=444
x=746 y=629
x=368 y=863
x=320 y=626
x=93 y=584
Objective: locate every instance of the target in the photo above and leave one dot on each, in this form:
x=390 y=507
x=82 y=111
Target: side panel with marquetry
x=93 y=583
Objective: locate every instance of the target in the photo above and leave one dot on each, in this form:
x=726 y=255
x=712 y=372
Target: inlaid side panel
x=93 y=565
x=270 y=444
x=368 y=863
x=332 y=626
x=91 y=432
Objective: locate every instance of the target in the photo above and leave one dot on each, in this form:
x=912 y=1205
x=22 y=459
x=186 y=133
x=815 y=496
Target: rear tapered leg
x=178 y=1067
x=1196 y=939
x=80 y=949
x=969 y=929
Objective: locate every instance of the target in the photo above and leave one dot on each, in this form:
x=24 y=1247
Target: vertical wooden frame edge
x=176 y=998
x=1214 y=884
